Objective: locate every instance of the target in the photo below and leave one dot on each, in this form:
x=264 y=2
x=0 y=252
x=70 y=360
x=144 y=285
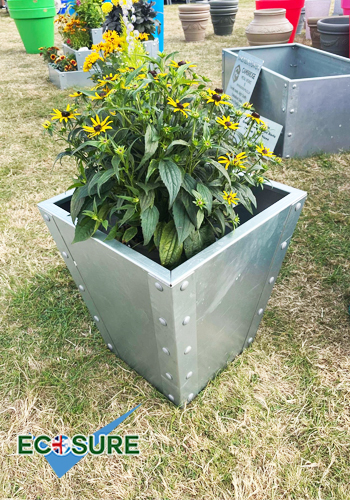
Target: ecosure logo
x=63 y=452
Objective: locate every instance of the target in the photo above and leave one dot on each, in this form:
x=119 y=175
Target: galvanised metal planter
x=64 y=80
x=305 y=90
x=151 y=46
x=178 y=328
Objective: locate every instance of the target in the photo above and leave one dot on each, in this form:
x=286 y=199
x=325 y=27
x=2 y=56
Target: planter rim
x=270 y=12
x=171 y=278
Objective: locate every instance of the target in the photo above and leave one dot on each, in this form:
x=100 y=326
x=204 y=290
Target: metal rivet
x=110 y=347
x=290 y=134
x=171 y=397
x=186 y=320
x=292 y=111
x=188 y=349
x=46 y=217
x=271 y=280
x=158 y=286
x=284 y=244
x=260 y=311
x=339 y=125
x=65 y=255
x=297 y=207
x=97 y=319
x=285 y=85
x=76 y=265
x=162 y=321
x=190 y=397
x=170 y=377
x=165 y=350
x=189 y=375
x=81 y=288
x=184 y=285
x=284 y=110
x=250 y=340
x=287 y=156
x=294 y=86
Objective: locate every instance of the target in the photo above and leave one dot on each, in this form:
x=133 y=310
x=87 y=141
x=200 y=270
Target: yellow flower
x=265 y=151
x=106 y=79
x=255 y=117
x=233 y=160
x=260 y=180
x=231 y=198
x=47 y=124
x=216 y=98
x=143 y=36
x=106 y=7
x=178 y=106
x=247 y=105
x=226 y=123
x=76 y=94
x=174 y=64
x=101 y=95
x=65 y=115
x=98 y=126
x=91 y=60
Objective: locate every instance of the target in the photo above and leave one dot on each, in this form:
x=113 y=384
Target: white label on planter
x=243 y=78
x=268 y=138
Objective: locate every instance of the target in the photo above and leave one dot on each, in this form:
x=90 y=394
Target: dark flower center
x=153 y=73
x=179 y=105
x=228 y=124
x=216 y=97
x=219 y=91
x=65 y=114
x=255 y=114
x=97 y=128
x=265 y=151
x=181 y=63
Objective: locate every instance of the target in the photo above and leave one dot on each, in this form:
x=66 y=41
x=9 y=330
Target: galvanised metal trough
x=304 y=89
x=65 y=79
x=179 y=328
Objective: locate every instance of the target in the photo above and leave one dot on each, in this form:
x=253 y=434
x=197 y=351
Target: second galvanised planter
x=306 y=91
x=178 y=328
x=151 y=47
x=64 y=80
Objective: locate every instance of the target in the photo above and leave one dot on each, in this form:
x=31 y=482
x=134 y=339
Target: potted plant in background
x=178 y=235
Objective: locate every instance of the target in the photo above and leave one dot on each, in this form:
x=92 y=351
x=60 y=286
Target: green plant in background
x=89 y=12
x=74 y=32
x=142 y=16
x=161 y=160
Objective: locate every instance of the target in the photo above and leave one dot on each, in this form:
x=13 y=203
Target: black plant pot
x=334 y=35
x=223 y=16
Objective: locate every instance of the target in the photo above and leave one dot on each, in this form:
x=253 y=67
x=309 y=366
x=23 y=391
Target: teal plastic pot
x=35 y=22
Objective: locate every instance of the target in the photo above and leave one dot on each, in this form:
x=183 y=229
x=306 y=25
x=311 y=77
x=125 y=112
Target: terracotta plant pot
x=316 y=8
x=293 y=10
x=223 y=16
x=269 y=27
x=334 y=35
x=315 y=36
x=194 y=19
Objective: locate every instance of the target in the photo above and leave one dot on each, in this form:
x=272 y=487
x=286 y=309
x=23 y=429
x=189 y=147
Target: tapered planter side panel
x=178 y=328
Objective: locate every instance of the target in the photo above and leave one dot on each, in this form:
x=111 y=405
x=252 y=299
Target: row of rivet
x=166 y=351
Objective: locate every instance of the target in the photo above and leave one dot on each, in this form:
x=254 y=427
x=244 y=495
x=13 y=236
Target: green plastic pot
x=35 y=22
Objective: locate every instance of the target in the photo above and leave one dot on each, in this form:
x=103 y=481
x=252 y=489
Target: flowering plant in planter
x=161 y=160
x=74 y=32
x=89 y=12
x=139 y=16
x=49 y=53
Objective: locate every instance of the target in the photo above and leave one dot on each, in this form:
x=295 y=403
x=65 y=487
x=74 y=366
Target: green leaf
x=158 y=233
x=179 y=142
x=115 y=164
x=198 y=240
x=103 y=179
x=84 y=229
x=182 y=221
x=170 y=249
x=146 y=200
x=200 y=218
x=76 y=204
x=206 y=195
x=221 y=169
x=189 y=183
x=128 y=214
x=149 y=223
x=151 y=144
x=191 y=209
x=86 y=143
x=151 y=168
x=112 y=233
x=219 y=216
x=129 y=234
x=172 y=178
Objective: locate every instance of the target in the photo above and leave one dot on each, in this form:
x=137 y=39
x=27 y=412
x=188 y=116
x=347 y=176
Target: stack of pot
x=194 y=19
x=314 y=34
x=223 y=16
x=301 y=23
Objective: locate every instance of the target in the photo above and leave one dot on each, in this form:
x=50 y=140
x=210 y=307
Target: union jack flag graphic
x=61 y=445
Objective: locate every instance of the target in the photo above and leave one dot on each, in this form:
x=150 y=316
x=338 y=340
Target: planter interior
x=178 y=328
x=300 y=88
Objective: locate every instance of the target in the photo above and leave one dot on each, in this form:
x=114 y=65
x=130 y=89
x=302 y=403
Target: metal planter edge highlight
x=179 y=328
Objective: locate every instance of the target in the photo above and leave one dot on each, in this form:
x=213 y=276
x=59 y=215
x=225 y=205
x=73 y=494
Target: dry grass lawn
x=274 y=425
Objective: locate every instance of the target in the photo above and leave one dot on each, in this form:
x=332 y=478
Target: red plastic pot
x=293 y=10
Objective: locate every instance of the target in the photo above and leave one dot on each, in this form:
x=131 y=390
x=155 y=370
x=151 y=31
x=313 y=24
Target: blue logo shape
x=62 y=462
